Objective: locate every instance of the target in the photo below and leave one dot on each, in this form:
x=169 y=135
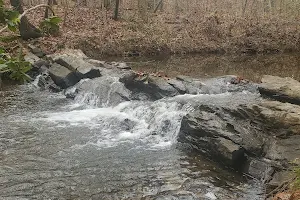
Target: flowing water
x=90 y=148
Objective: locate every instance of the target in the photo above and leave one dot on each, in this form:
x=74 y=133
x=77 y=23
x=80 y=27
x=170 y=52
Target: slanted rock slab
x=64 y=77
x=152 y=87
x=278 y=115
x=31 y=58
x=221 y=136
x=74 y=63
x=282 y=89
x=178 y=85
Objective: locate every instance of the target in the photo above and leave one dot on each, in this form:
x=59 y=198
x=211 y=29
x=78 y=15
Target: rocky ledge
x=260 y=138
x=282 y=89
x=256 y=132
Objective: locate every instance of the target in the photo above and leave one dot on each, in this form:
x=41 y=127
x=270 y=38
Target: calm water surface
x=249 y=67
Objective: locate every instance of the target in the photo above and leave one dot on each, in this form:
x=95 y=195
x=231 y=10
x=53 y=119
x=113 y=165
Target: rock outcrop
x=259 y=137
x=266 y=131
x=282 y=89
x=61 y=71
x=225 y=134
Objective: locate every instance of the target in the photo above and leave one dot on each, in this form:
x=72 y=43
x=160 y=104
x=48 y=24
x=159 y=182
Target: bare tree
x=116 y=13
x=81 y=2
x=142 y=7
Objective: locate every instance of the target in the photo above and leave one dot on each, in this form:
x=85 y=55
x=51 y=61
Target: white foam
x=36 y=81
x=154 y=123
x=211 y=195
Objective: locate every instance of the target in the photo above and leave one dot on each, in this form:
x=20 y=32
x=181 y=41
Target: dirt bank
x=193 y=31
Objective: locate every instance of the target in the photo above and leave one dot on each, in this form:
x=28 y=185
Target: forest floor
x=93 y=31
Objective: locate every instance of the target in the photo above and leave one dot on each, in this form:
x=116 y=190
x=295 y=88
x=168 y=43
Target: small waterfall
x=36 y=81
x=101 y=92
x=105 y=144
x=155 y=124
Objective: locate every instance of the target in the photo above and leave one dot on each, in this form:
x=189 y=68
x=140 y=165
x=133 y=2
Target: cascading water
x=102 y=146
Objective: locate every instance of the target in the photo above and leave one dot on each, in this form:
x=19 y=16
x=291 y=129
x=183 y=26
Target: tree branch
x=27 y=11
x=3 y=29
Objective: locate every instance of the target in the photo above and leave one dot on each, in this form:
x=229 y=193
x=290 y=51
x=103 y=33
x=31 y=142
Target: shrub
x=50 y=25
x=15 y=68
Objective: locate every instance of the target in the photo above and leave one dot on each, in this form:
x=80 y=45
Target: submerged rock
x=261 y=169
x=152 y=87
x=227 y=83
x=282 y=89
x=101 y=91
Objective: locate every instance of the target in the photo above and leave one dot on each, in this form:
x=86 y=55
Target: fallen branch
x=158 y=5
x=282 y=187
x=27 y=11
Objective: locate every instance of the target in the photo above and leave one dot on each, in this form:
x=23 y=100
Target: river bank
x=194 y=31
x=165 y=35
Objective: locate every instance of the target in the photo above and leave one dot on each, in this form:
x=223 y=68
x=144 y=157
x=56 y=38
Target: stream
x=58 y=148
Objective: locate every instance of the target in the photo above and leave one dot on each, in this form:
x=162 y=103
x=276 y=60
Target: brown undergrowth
x=195 y=31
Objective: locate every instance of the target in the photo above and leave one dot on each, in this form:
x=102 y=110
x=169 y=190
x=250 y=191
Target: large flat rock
x=235 y=135
x=76 y=61
x=282 y=117
x=282 y=89
x=63 y=77
x=222 y=134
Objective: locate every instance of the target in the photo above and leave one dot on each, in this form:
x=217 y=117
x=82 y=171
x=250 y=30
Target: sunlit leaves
x=2 y=50
x=12 y=19
x=9 y=17
x=16 y=68
x=50 y=25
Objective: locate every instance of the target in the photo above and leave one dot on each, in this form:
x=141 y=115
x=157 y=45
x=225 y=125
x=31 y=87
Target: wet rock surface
x=61 y=71
x=223 y=133
x=237 y=136
x=283 y=118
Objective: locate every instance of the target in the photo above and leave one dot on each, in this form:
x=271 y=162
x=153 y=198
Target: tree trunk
x=107 y=4
x=116 y=10
x=49 y=3
x=160 y=4
x=142 y=6
x=81 y=3
x=27 y=30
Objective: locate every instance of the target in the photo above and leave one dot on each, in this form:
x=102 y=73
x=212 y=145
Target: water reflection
x=249 y=67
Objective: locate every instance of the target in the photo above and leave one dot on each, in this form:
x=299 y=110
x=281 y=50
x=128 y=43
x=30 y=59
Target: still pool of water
x=250 y=67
